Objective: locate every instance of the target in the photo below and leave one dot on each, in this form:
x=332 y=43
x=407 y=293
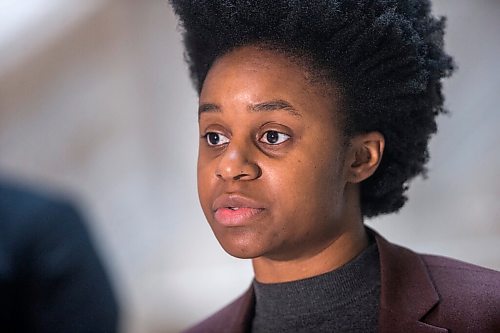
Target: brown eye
x=274 y=137
x=216 y=139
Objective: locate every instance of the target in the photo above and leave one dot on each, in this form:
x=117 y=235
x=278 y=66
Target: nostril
x=241 y=175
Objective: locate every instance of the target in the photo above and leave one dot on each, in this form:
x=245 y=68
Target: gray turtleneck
x=343 y=300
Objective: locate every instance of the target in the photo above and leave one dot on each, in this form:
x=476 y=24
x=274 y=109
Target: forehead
x=261 y=57
x=252 y=72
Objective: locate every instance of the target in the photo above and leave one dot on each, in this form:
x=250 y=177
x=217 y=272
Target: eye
x=274 y=137
x=216 y=139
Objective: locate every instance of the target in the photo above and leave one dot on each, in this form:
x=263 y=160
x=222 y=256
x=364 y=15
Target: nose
x=236 y=164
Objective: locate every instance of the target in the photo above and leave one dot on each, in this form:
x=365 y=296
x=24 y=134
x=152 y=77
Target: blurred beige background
x=95 y=101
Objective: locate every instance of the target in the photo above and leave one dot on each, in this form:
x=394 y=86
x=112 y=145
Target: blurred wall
x=95 y=101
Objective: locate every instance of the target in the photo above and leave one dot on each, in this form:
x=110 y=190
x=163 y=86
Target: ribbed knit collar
x=327 y=291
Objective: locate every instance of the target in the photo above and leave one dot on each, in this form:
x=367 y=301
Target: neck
x=339 y=251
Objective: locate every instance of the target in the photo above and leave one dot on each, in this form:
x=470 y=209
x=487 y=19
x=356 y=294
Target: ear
x=364 y=156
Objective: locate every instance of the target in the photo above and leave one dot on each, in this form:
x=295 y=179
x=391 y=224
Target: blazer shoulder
x=453 y=275
x=234 y=317
x=469 y=294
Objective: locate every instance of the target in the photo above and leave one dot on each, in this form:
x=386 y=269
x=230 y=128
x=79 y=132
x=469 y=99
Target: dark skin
x=276 y=180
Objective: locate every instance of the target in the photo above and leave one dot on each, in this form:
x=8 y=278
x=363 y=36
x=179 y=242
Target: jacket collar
x=407 y=293
x=244 y=313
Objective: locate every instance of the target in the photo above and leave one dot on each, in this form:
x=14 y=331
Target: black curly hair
x=387 y=55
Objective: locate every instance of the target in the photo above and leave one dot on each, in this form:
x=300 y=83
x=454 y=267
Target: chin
x=240 y=254
x=240 y=246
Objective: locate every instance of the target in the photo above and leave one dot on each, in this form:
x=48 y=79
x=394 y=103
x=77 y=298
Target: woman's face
x=271 y=166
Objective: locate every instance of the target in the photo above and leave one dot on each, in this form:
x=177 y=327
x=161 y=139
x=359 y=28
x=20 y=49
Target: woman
x=313 y=116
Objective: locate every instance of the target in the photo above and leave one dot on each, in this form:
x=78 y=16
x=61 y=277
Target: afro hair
x=386 y=55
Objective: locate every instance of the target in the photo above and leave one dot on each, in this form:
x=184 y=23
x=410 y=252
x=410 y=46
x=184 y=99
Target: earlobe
x=366 y=153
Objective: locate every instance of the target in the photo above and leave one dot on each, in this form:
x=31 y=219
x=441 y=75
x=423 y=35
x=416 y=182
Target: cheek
x=290 y=186
x=205 y=180
x=310 y=186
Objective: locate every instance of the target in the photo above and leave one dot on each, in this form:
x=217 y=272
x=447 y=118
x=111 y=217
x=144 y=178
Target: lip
x=236 y=210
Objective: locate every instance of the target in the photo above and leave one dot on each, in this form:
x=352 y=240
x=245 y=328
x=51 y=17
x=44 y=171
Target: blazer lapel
x=407 y=292
x=243 y=314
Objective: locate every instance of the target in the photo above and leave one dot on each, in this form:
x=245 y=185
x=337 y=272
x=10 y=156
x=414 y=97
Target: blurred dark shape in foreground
x=51 y=279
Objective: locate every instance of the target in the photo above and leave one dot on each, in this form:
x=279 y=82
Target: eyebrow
x=274 y=105
x=208 y=107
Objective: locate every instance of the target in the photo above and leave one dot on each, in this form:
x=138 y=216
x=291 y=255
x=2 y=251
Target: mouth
x=236 y=210
x=236 y=216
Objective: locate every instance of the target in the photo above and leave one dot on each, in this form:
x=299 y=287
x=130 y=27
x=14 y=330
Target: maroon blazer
x=419 y=293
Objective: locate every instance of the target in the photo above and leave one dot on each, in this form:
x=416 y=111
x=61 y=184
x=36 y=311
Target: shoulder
x=442 y=292
x=43 y=231
x=449 y=276
x=477 y=279
x=464 y=282
x=234 y=317
x=469 y=295
x=25 y=211
x=45 y=246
